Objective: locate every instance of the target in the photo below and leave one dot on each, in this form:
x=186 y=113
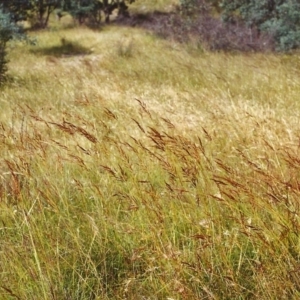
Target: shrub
x=203 y=27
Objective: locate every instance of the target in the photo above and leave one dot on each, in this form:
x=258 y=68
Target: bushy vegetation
x=279 y=18
x=217 y=24
x=168 y=173
x=8 y=31
x=231 y=25
x=38 y=12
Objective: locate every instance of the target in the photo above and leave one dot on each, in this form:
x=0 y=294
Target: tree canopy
x=280 y=18
x=39 y=11
x=8 y=31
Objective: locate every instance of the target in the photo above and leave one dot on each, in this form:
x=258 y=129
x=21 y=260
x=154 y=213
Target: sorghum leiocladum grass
x=123 y=179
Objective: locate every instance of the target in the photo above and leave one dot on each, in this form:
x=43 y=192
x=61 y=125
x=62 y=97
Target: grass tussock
x=162 y=174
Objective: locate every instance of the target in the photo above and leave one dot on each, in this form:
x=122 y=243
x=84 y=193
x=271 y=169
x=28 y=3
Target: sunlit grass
x=144 y=169
x=153 y=5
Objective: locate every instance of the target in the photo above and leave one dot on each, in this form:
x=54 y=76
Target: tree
x=8 y=30
x=92 y=9
x=39 y=11
x=36 y=11
x=17 y=8
x=83 y=10
x=281 y=18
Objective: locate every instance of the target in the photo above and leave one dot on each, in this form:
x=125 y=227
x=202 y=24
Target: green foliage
x=36 y=11
x=91 y=10
x=8 y=31
x=279 y=18
x=286 y=26
x=40 y=11
x=17 y=8
x=83 y=10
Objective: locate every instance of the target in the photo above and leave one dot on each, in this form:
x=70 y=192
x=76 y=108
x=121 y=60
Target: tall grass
x=163 y=174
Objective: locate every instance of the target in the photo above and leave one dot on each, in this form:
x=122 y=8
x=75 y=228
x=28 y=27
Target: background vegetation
x=136 y=167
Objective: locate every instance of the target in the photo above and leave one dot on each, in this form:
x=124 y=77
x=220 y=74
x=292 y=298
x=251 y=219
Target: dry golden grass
x=143 y=169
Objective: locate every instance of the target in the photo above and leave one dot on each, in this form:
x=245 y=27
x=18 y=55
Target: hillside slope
x=137 y=168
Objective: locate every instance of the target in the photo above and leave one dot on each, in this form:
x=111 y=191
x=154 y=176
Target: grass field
x=134 y=167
